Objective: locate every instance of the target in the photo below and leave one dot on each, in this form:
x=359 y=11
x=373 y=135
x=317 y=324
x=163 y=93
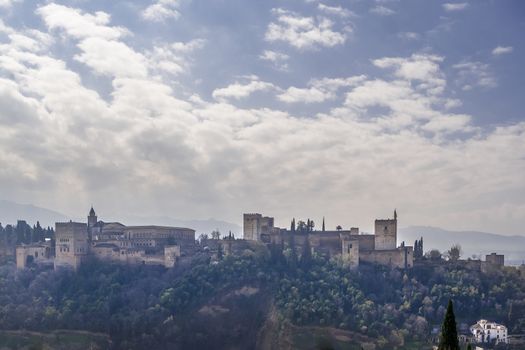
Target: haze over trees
x=153 y=307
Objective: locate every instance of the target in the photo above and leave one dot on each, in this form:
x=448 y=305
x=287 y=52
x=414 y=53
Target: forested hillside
x=261 y=299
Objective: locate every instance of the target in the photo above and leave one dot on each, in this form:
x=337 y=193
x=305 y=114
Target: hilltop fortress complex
x=76 y=242
x=354 y=247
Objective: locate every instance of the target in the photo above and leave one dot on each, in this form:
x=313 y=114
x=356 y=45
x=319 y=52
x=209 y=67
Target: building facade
x=72 y=244
x=489 y=332
x=40 y=253
x=76 y=242
x=257 y=227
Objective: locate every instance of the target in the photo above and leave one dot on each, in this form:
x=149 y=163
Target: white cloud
x=78 y=24
x=8 y=3
x=304 y=32
x=409 y=36
x=318 y=90
x=502 y=50
x=471 y=74
x=420 y=68
x=161 y=11
x=336 y=11
x=112 y=58
x=382 y=11
x=173 y=58
x=446 y=123
x=459 y=6
x=413 y=100
x=138 y=147
x=277 y=58
x=239 y=90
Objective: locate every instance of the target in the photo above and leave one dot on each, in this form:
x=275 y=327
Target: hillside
x=263 y=299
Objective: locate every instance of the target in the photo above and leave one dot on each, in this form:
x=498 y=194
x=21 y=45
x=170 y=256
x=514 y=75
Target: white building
x=486 y=332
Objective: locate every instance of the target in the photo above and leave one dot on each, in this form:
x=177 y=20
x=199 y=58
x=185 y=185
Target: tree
x=338 y=228
x=306 y=255
x=454 y=252
x=449 y=333
x=215 y=234
x=292 y=263
x=220 y=253
x=301 y=226
x=434 y=254
x=38 y=233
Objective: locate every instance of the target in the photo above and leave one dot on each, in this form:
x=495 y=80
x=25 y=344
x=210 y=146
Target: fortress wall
x=39 y=254
x=400 y=257
x=366 y=242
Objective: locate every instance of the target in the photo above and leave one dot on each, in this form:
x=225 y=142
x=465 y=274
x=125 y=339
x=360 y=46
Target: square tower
x=350 y=251
x=72 y=244
x=255 y=224
x=385 y=235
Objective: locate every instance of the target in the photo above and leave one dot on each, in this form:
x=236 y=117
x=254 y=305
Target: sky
x=301 y=108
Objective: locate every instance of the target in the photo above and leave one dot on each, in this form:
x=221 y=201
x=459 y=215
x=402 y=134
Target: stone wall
x=400 y=257
x=366 y=242
x=495 y=259
x=36 y=253
x=144 y=236
x=171 y=255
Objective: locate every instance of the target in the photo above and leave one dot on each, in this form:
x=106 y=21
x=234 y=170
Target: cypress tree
x=449 y=333
x=306 y=256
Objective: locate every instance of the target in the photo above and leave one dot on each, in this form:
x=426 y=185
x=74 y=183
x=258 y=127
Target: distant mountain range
x=10 y=212
x=471 y=242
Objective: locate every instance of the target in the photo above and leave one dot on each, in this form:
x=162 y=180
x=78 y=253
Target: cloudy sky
x=198 y=109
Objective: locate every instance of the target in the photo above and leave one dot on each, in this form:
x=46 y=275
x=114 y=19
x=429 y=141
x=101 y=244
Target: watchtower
x=385 y=236
x=72 y=244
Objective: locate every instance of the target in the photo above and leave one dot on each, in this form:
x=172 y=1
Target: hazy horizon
x=204 y=224
x=341 y=109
